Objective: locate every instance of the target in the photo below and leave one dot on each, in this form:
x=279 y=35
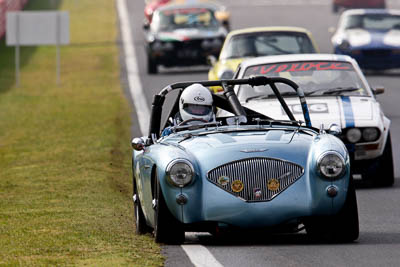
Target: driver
x=195 y=106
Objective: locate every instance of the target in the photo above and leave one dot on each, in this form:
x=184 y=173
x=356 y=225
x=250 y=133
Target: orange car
x=336 y=4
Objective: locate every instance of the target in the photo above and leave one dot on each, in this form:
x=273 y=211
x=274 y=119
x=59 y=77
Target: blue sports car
x=241 y=172
x=370 y=36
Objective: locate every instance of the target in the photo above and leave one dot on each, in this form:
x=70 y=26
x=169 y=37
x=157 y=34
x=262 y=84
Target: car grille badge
x=223 y=180
x=257 y=193
x=273 y=184
x=237 y=186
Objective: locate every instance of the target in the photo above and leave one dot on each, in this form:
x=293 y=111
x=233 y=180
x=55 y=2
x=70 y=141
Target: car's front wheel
x=167 y=229
x=341 y=227
x=140 y=221
x=379 y=171
x=384 y=175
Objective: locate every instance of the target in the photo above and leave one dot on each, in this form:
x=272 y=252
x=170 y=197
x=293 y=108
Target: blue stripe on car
x=348 y=111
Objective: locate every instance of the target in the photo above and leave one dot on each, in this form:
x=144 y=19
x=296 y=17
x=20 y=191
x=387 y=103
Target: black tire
x=140 y=221
x=384 y=175
x=380 y=171
x=151 y=65
x=342 y=227
x=167 y=229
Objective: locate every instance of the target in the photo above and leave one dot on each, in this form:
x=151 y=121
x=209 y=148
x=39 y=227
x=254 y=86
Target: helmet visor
x=197 y=110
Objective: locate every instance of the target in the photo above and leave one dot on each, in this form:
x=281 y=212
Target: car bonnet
x=345 y=111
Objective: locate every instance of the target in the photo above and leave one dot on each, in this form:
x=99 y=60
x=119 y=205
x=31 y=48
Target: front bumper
x=185 y=53
x=207 y=203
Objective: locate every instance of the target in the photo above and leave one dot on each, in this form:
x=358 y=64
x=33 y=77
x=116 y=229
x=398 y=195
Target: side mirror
x=331 y=30
x=378 y=90
x=211 y=60
x=138 y=144
x=146 y=26
x=334 y=129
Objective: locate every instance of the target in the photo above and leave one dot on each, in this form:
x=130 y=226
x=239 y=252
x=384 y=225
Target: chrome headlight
x=370 y=134
x=331 y=165
x=180 y=172
x=353 y=135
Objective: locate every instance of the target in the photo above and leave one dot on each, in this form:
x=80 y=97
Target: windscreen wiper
x=269 y=96
x=328 y=91
x=258 y=97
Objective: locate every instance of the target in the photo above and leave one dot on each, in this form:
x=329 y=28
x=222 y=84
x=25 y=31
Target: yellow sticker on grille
x=237 y=186
x=273 y=184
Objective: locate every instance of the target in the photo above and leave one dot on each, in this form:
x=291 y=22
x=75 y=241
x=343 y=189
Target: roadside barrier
x=8 y=5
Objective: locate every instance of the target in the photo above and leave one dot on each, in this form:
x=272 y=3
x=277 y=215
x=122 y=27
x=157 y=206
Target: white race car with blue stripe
x=336 y=93
x=371 y=36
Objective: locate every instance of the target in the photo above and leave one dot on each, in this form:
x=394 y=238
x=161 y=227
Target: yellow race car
x=259 y=41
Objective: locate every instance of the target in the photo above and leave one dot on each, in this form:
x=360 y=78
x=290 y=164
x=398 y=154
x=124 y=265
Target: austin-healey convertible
x=242 y=172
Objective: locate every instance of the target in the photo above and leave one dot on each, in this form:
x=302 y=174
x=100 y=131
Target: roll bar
x=227 y=85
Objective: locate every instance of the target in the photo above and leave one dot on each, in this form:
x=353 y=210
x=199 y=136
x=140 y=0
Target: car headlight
x=168 y=46
x=180 y=172
x=156 y=45
x=162 y=46
x=331 y=165
x=211 y=43
x=353 y=135
x=344 y=45
x=370 y=134
x=225 y=74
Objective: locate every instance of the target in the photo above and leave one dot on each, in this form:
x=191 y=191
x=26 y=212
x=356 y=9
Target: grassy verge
x=65 y=186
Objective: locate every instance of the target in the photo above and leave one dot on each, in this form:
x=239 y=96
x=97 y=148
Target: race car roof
x=195 y=4
x=362 y=11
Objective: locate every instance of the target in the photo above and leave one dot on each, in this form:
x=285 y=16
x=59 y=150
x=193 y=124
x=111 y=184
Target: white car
x=337 y=93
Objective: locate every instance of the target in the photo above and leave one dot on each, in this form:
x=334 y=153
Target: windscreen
x=373 y=22
x=315 y=78
x=181 y=18
x=267 y=43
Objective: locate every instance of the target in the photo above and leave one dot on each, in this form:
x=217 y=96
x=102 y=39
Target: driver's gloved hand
x=167 y=131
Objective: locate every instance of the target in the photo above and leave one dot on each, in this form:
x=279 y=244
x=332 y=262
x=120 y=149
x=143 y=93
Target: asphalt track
x=379 y=212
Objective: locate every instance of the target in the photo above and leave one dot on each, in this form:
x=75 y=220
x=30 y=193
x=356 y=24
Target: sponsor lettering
x=295 y=67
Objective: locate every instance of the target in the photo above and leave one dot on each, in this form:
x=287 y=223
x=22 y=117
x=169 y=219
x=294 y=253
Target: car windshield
x=373 y=22
x=172 y=19
x=315 y=78
x=267 y=43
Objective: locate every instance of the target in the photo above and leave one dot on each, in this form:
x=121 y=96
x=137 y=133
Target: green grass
x=65 y=178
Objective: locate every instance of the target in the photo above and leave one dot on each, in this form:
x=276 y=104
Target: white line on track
x=199 y=255
x=134 y=84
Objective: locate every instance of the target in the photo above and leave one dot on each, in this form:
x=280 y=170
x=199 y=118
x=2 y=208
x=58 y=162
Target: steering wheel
x=192 y=119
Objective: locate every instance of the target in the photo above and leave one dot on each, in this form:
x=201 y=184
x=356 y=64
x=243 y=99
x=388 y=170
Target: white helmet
x=196 y=102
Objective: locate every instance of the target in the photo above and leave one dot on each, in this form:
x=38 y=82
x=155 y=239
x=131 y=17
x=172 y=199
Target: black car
x=183 y=35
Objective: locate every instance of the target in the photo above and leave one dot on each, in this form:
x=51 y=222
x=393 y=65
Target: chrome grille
x=255 y=174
